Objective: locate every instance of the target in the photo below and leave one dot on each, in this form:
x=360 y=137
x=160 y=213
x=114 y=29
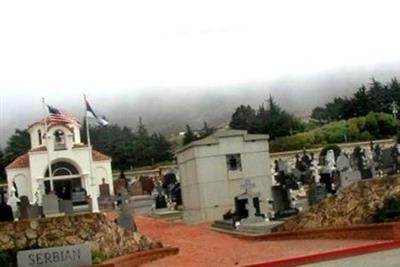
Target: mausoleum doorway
x=65 y=179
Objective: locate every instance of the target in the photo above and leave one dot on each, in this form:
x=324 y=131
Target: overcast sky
x=112 y=49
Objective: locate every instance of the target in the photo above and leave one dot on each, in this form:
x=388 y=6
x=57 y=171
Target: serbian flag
x=91 y=114
x=58 y=116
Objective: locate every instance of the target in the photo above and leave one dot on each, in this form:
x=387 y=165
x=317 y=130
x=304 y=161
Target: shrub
x=389 y=212
x=98 y=257
x=373 y=126
x=8 y=258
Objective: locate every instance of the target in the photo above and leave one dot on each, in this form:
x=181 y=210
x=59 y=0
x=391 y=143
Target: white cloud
x=121 y=45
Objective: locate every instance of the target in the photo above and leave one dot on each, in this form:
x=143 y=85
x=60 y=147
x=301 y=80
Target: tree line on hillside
x=272 y=120
x=126 y=147
x=375 y=97
x=191 y=135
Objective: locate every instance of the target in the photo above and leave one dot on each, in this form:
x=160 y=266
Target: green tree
x=243 y=118
x=206 y=130
x=189 y=136
x=160 y=148
x=17 y=144
x=273 y=121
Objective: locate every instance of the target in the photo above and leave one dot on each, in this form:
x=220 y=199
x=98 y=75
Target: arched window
x=62 y=168
x=40 y=137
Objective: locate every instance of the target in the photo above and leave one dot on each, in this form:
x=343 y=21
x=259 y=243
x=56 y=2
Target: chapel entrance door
x=63 y=187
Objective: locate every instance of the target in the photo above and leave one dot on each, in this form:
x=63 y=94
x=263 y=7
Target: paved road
x=387 y=258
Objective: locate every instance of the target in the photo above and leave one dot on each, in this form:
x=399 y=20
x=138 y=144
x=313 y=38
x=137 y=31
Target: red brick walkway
x=200 y=246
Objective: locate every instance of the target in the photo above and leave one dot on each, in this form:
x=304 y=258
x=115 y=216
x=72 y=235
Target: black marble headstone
x=6 y=213
x=241 y=211
x=161 y=202
x=23 y=207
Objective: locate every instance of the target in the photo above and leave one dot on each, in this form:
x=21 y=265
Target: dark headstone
x=281 y=198
x=282 y=203
x=104 y=189
x=161 y=202
x=316 y=194
x=23 y=207
x=327 y=180
x=78 y=196
x=6 y=213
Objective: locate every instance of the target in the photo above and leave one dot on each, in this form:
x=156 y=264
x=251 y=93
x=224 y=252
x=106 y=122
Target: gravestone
x=282 y=203
x=66 y=206
x=50 y=205
x=281 y=198
x=316 y=194
x=125 y=219
x=160 y=200
x=78 y=196
x=119 y=184
x=6 y=213
x=66 y=256
x=23 y=207
x=104 y=189
x=105 y=200
x=253 y=217
x=136 y=188
x=347 y=174
x=147 y=184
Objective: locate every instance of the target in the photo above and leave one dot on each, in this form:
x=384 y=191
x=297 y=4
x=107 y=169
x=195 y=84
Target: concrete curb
x=330 y=255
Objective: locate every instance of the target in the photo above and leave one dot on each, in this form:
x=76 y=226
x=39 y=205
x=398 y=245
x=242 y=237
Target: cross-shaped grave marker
x=125 y=219
x=249 y=196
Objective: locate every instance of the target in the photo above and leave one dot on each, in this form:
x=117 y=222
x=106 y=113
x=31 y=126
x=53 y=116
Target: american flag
x=58 y=116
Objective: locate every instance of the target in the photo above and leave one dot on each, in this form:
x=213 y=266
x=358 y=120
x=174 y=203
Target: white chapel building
x=71 y=164
x=213 y=169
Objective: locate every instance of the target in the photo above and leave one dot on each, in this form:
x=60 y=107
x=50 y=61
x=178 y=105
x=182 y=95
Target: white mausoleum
x=213 y=169
x=71 y=164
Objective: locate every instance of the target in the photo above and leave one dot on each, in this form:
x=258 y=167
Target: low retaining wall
x=329 y=255
x=139 y=258
x=379 y=231
x=103 y=235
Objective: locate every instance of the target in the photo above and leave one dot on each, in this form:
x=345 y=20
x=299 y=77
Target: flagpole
x=89 y=144
x=95 y=205
x=47 y=146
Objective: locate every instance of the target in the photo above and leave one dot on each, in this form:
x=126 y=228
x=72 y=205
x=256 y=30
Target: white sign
x=68 y=256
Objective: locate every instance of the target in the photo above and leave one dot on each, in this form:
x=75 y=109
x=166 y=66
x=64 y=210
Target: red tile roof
x=23 y=160
x=79 y=145
x=20 y=162
x=98 y=156
x=40 y=148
